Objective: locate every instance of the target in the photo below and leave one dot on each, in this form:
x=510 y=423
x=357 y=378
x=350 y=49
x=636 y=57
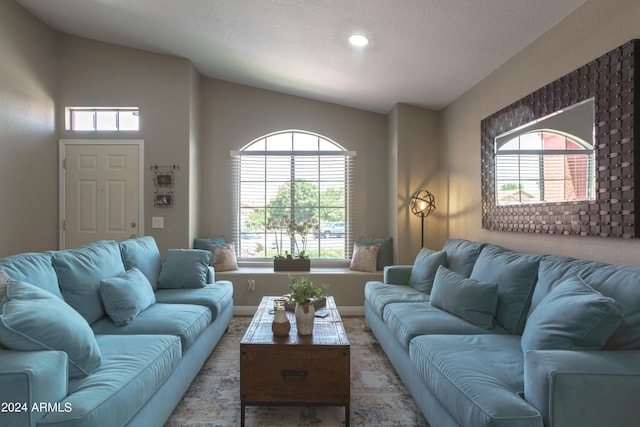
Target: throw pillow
x=385 y=256
x=462 y=255
x=80 y=271
x=184 y=268
x=516 y=274
x=364 y=257
x=573 y=316
x=33 y=319
x=204 y=243
x=424 y=269
x=469 y=299
x=143 y=254
x=127 y=295
x=223 y=257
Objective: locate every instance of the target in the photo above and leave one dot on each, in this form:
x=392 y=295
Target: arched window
x=544 y=165
x=296 y=175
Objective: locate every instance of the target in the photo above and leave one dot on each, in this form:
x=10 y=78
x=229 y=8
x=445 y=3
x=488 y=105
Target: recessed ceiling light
x=358 y=40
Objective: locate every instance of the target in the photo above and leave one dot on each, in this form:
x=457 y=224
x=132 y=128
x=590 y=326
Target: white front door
x=100 y=191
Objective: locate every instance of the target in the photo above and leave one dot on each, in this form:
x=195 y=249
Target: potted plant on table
x=305 y=294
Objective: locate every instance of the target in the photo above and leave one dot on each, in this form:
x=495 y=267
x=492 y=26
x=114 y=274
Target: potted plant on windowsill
x=297 y=232
x=304 y=293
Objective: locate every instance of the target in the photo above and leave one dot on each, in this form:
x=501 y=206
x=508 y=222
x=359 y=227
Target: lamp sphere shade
x=423 y=203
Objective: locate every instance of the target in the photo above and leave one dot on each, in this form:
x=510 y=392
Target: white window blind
x=544 y=166
x=297 y=174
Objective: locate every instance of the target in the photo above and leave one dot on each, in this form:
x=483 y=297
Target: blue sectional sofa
x=108 y=334
x=485 y=336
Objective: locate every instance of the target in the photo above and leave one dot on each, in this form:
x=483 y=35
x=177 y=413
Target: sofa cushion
x=622 y=283
x=217 y=296
x=223 y=257
x=476 y=378
x=462 y=255
x=133 y=369
x=515 y=273
x=365 y=257
x=571 y=317
x=143 y=253
x=33 y=319
x=469 y=299
x=126 y=295
x=80 y=271
x=555 y=269
x=409 y=320
x=34 y=268
x=385 y=256
x=378 y=295
x=424 y=268
x=615 y=281
x=204 y=243
x=183 y=320
x=184 y=268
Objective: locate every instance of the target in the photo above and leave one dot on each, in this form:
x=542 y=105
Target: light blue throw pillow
x=516 y=274
x=143 y=254
x=385 y=255
x=462 y=255
x=204 y=243
x=424 y=269
x=469 y=299
x=184 y=268
x=33 y=319
x=573 y=316
x=80 y=271
x=127 y=295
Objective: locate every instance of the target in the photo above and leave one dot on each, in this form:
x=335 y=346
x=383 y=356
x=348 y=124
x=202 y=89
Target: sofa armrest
x=30 y=380
x=211 y=275
x=584 y=388
x=397 y=274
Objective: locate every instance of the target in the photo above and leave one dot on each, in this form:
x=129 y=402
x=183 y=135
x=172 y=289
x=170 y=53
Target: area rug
x=378 y=397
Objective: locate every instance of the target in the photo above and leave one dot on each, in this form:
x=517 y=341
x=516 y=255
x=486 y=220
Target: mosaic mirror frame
x=611 y=80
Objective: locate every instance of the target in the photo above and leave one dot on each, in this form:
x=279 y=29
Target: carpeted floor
x=378 y=397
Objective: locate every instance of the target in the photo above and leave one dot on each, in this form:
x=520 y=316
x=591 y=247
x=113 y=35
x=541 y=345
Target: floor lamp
x=422 y=204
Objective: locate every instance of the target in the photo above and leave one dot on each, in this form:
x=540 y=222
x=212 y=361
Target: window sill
x=268 y=269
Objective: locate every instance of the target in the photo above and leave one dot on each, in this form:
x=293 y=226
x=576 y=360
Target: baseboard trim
x=248 y=310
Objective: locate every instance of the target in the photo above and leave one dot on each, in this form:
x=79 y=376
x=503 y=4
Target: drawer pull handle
x=295 y=373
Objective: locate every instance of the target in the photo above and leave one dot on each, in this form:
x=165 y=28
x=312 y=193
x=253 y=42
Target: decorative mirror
x=561 y=160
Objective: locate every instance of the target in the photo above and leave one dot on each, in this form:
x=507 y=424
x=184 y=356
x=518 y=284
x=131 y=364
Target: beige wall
x=194 y=122
x=165 y=88
x=234 y=115
x=28 y=140
x=416 y=146
x=592 y=30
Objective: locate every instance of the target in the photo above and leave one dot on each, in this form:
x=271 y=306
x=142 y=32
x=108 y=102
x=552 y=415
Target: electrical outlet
x=252 y=284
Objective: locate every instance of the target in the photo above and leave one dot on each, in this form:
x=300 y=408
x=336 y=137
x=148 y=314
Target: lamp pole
x=422 y=204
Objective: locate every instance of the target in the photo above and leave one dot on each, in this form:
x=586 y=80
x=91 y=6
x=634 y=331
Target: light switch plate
x=157 y=222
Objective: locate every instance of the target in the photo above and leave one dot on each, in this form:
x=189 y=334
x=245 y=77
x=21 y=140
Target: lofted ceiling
x=421 y=52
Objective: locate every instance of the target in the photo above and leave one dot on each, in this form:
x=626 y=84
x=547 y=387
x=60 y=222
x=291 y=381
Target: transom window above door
x=102 y=119
x=298 y=175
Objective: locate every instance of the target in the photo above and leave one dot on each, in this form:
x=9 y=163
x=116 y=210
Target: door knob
x=133 y=236
x=133 y=224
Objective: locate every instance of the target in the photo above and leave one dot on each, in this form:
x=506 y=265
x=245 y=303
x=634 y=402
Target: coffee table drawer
x=300 y=374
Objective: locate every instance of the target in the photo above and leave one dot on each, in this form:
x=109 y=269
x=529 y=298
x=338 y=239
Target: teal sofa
x=107 y=334
x=484 y=336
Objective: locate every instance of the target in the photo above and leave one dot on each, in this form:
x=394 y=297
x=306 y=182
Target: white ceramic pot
x=305 y=315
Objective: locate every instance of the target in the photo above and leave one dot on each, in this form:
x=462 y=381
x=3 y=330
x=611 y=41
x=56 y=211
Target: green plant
x=303 y=290
x=293 y=229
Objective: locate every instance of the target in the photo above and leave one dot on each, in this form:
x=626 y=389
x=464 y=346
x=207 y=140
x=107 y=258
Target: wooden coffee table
x=295 y=370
